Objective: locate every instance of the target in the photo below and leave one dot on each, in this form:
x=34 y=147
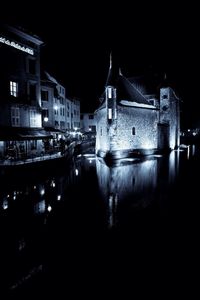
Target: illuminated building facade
x=56 y=108
x=21 y=131
x=131 y=122
x=59 y=113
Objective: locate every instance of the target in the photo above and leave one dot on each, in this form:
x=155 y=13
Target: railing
x=48 y=155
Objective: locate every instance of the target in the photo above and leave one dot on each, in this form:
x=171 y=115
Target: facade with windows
x=20 y=102
x=58 y=112
x=88 y=122
x=75 y=114
x=132 y=122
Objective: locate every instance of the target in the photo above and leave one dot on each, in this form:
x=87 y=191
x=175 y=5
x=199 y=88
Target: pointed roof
x=125 y=89
x=113 y=72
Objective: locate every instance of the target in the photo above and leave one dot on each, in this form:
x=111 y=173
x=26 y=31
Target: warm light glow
x=42 y=192
x=40 y=207
x=49 y=208
x=76 y=172
x=53 y=183
x=59 y=197
x=5 y=204
x=46 y=119
x=56 y=107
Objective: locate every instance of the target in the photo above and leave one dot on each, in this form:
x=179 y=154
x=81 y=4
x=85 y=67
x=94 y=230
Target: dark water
x=91 y=228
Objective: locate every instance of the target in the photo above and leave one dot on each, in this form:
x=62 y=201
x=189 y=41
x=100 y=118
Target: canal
x=89 y=224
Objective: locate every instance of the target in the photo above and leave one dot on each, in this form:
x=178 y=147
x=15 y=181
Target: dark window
x=165 y=96
x=45 y=113
x=32 y=66
x=91 y=117
x=133 y=130
x=165 y=107
x=32 y=91
x=44 y=95
x=151 y=102
x=81 y=117
x=92 y=128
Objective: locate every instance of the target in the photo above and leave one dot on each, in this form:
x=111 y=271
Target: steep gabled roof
x=127 y=91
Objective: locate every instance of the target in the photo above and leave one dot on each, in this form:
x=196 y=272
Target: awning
x=19 y=133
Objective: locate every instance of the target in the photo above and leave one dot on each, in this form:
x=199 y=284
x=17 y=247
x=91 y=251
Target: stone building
x=132 y=122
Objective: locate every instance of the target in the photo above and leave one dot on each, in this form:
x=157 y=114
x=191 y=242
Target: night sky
x=78 y=39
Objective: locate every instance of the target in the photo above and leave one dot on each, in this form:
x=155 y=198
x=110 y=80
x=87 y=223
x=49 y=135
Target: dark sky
x=78 y=39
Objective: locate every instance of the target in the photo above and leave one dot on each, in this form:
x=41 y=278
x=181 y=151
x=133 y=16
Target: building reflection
x=89 y=196
x=135 y=184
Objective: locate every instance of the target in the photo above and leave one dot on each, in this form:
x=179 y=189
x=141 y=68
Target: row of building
x=36 y=117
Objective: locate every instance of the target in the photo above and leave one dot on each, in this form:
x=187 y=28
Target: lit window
x=33 y=121
x=110 y=113
x=13 y=88
x=109 y=92
x=15 y=116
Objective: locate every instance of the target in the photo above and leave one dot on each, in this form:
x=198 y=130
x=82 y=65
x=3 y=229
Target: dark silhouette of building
x=21 y=131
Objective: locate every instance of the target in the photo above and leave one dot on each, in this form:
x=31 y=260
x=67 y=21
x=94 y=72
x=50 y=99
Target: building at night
x=131 y=121
x=60 y=115
x=88 y=122
x=56 y=108
x=21 y=131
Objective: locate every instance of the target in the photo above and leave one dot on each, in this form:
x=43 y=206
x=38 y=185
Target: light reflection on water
x=90 y=194
x=135 y=183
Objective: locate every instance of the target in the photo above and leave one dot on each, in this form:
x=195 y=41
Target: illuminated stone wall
x=145 y=123
x=119 y=134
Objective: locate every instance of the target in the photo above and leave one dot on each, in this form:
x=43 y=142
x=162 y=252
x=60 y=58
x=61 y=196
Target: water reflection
x=41 y=215
x=135 y=183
